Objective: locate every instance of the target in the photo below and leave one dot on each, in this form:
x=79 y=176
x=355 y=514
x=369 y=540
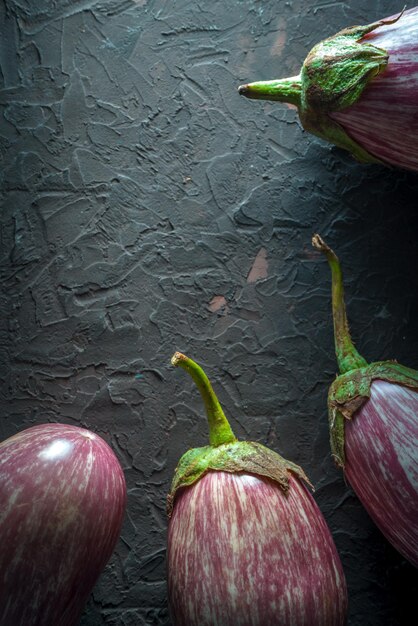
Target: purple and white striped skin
x=243 y=553
x=358 y=90
x=381 y=462
x=62 y=502
x=384 y=120
x=373 y=416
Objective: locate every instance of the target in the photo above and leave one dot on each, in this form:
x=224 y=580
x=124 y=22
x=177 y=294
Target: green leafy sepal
x=239 y=456
x=328 y=129
x=337 y=70
x=350 y=391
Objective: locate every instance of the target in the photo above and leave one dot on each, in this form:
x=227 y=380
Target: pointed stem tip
x=219 y=429
x=282 y=90
x=347 y=356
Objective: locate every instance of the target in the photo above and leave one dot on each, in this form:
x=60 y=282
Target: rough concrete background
x=147 y=207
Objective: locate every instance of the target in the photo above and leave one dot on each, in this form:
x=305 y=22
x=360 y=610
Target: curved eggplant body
x=62 y=502
x=381 y=464
x=359 y=90
x=243 y=553
x=384 y=120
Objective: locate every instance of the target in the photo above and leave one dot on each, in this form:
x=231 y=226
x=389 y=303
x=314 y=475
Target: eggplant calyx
x=338 y=69
x=248 y=457
x=225 y=453
x=350 y=391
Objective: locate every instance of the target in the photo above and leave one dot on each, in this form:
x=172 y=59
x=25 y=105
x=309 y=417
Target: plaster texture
x=148 y=208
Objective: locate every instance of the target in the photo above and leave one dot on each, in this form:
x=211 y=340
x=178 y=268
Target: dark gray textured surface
x=146 y=207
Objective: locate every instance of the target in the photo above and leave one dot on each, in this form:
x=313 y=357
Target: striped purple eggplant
x=359 y=90
x=373 y=416
x=247 y=543
x=62 y=502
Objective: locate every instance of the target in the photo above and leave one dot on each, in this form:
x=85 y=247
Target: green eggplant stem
x=347 y=356
x=282 y=90
x=220 y=432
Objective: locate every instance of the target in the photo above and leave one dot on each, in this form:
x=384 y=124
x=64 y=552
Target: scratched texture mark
x=147 y=208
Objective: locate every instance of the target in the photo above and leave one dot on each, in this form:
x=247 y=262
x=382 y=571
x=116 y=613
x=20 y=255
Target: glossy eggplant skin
x=384 y=120
x=373 y=419
x=241 y=552
x=62 y=503
x=381 y=462
x=358 y=89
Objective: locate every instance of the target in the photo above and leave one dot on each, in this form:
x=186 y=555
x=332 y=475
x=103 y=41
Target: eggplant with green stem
x=247 y=543
x=373 y=420
x=359 y=90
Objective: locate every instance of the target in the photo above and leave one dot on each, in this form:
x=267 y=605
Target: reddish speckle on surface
x=217 y=303
x=259 y=268
x=280 y=41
